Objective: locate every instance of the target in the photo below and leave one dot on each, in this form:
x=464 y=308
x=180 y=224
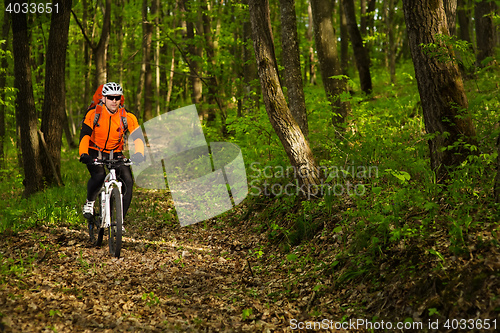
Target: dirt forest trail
x=193 y=279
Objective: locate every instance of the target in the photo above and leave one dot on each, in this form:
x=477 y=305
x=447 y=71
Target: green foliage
x=451 y=49
x=54 y=206
x=151 y=299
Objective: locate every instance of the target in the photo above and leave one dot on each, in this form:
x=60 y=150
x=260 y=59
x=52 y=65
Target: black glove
x=138 y=158
x=86 y=159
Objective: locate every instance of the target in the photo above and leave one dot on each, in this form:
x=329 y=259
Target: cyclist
x=102 y=134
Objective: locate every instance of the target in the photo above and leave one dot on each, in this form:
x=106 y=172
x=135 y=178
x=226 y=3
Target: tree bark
x=101 y=49
x=311 y=67
x=53 y=110
x=464 y=16
x=147 y=28
x=251 y=99
x=326 y=47
x=291 y=61
x=26 y=117
x=485 y=30
x=287 y=129
x=3 y=81
x=450 y=8
x=344 y=42
x=193 y=53
x=212 y=88
x=360 y=51
x=440 y=85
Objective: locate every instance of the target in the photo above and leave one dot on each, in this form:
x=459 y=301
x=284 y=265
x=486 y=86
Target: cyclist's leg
x=97 y=175
x=125 y=174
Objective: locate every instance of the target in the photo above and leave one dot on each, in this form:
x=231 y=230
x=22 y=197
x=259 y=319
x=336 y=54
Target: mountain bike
x=108 y=208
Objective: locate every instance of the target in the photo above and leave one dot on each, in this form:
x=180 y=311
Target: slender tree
x=485 y=30
x=285 y=126
x=360 y=51
x=440 y=85
x=326 y=46
x=291 y=61
x=3 y=81
x=54 y=110
x=211 y=96
x=464 y=17
x=26 y=117
x=101 y=49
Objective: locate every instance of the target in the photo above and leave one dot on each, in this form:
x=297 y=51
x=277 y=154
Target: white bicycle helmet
x=112 y=89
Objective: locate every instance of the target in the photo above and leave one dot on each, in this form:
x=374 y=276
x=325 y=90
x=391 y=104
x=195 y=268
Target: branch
x=83 y=30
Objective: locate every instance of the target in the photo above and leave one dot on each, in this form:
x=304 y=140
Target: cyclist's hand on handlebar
x=137 y=158
x=86 y=159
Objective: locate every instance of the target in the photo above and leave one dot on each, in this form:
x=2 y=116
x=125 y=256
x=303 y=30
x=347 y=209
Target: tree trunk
x=440 y=85
x=464 y=16
x=344 y=42
x=147 y=28
x=289 y=133
x=251 y=99
x=3 y=81
x=26 y=117
x=360 y=52
x=101 y=50
x=53 y=110
x=157 y=60
x=450 y=8
x=485 y=30
x=391 y=46
x=291 y=61
x=212 y=88
x=326 y=46
x=311 y=68
x=193 y=53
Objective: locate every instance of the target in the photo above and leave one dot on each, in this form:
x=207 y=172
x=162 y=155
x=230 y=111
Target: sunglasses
x=114 y=98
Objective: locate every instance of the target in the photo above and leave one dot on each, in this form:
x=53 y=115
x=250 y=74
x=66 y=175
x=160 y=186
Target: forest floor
x=169 y=279
x=225 y=277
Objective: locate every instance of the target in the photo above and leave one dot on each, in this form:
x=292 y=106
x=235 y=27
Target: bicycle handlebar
x=113 y=163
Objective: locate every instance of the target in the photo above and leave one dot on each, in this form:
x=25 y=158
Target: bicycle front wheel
x=115 y=229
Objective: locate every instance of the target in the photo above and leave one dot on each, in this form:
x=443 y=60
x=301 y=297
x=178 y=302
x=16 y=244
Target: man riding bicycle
x=102 y=135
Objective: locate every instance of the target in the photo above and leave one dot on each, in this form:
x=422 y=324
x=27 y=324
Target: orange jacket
x=107 y=134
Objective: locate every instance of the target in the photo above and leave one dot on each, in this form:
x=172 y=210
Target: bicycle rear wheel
x=96 y=232
x=115 y=229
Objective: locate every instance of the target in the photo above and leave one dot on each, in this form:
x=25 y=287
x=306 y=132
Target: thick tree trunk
x=360 y=51
x=53 y=110
x=285 y=126
x=291 y=61
x=485 y=30
x=25 y=106
x=440 y=85
x=326 y=46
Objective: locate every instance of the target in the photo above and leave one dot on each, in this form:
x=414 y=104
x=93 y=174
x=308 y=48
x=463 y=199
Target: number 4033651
x=32 y=8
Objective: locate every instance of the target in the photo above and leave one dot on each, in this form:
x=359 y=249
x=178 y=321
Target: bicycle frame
x=109 y=182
